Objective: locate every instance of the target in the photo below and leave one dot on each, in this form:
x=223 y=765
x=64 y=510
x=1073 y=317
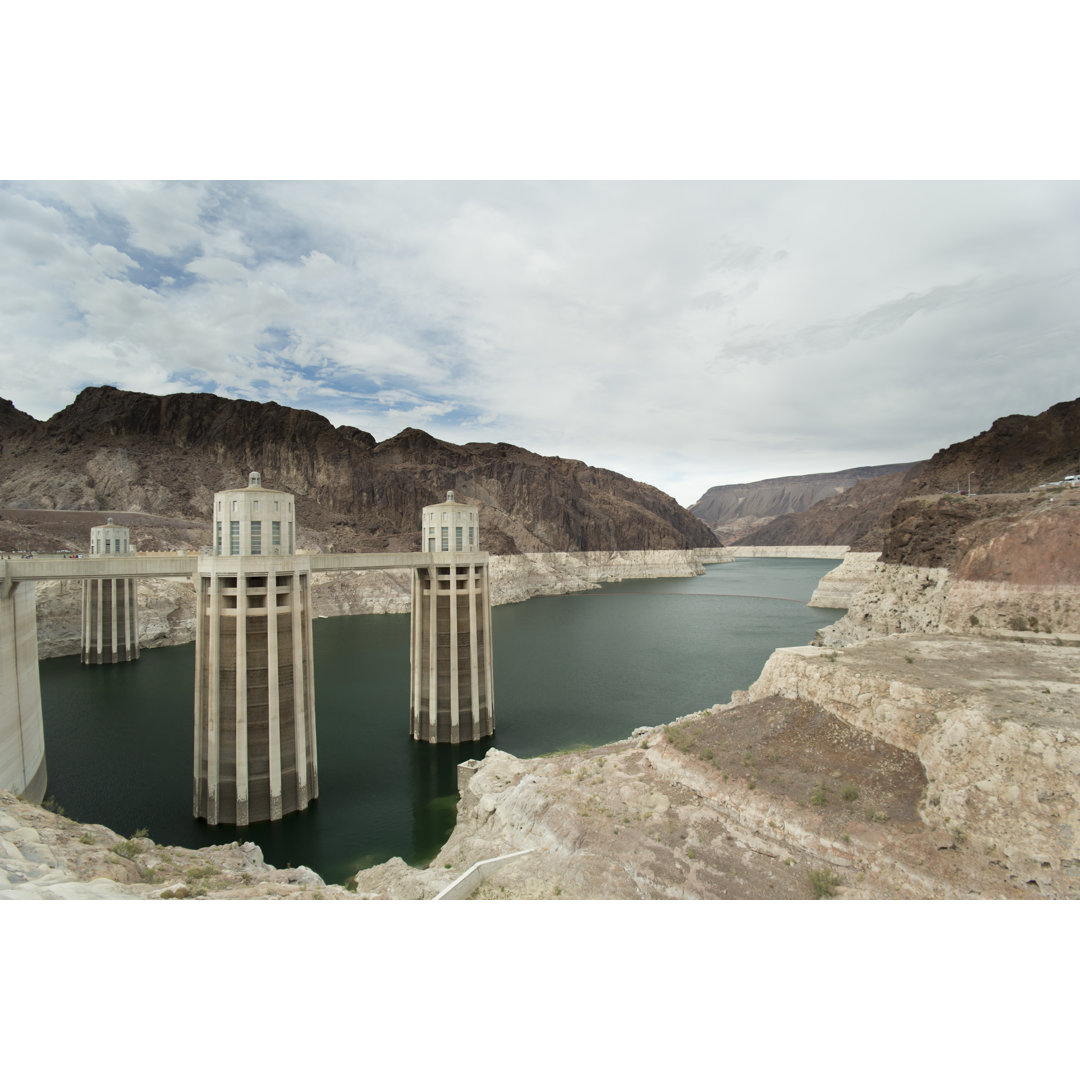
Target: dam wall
x=22 y=734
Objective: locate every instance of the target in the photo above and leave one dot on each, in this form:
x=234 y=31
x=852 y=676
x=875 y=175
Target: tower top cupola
x=450 y=526
x=111 y=539
x=254 y=520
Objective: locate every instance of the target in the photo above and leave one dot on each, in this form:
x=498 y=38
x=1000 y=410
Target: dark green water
x=571 y=670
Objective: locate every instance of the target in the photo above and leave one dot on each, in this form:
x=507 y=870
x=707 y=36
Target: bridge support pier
x=22 y=732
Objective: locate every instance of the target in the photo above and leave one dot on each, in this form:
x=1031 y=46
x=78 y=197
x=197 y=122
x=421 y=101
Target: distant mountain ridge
x=1014 y=454
x=115 y=450
x=734 y=510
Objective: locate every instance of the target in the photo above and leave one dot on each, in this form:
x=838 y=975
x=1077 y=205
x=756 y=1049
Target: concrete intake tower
x=452 y=696
x=110 y=624
x=255 y=753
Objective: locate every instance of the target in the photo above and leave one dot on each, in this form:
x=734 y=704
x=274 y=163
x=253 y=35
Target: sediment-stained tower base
x=452 y=696
x=255 y=753
x=110 y=630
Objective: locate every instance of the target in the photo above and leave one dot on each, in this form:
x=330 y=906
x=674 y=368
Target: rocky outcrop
x=990 y=566
x=850 y=518
x=1016 y=454
x=995 y=724
x=734 y=510
x=839 y=587
x=46 y=856
x=911 y=599
x=115 y=451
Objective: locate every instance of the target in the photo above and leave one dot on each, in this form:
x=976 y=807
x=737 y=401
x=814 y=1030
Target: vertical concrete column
x=432 y=711
x=99 y=623
x=22 y=732
x=273 y=717
x=307 y=728
x=304 y=790
x=87 y=607
x=475 y=617
x=416 y=652
x=241 y=726
x=131 y=607
x=213 y=712
x=198 y=794
x=111 y=648
x=488 y=655
x=455 y=705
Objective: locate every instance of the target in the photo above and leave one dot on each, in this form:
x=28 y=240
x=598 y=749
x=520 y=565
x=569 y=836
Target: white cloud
x=215 y=268
x=686 y=334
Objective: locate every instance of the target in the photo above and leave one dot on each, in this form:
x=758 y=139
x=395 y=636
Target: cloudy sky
x=684 y=333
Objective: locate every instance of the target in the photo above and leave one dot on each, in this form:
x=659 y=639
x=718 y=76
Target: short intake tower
x=452 y=694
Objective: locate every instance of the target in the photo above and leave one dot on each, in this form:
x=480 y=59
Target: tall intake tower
x=255 y=754
x=110 y=623
x=452 y=696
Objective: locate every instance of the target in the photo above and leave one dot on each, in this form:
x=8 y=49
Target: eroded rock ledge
x=46 y=856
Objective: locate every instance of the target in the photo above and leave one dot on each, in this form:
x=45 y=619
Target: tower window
x=445 y=538
x=234 y=537
x=275 y=532
x=217 y=541
x=457 y=538
x=256 y=538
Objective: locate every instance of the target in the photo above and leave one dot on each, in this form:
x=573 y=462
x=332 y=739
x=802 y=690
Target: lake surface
x=583 y=669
